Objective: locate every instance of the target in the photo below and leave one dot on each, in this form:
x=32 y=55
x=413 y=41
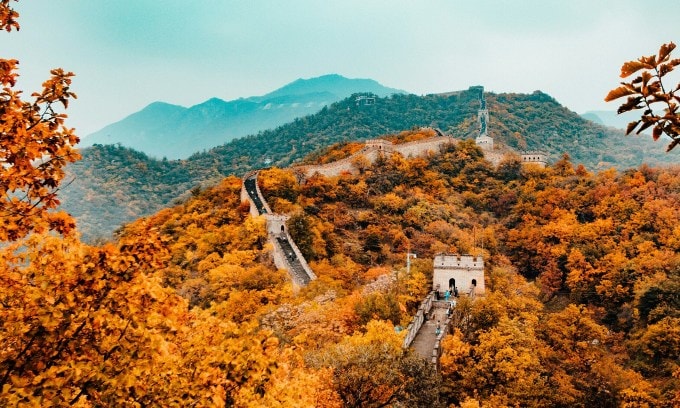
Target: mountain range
x=163 y=130
x=113 y=185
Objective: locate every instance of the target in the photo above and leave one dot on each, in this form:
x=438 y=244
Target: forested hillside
x=598 y=324
x=582 y=274
x=112 y=185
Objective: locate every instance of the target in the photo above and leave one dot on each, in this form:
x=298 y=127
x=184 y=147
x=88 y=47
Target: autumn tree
x=372 y=370
x=584 y=368
x=647 y=91
x=35 y=145
x=81 y=323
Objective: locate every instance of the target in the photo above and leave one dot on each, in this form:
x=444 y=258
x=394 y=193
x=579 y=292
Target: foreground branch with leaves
x=647 y=91
x=35 y=146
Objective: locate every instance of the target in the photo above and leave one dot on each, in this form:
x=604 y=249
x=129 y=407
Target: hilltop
x=113 y=185
x=163 y=130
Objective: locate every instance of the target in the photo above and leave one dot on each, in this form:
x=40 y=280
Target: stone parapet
x=372 y=150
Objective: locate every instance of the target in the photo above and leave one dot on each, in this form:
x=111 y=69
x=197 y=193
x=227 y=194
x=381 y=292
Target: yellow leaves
x=81 y=321
x=8 y=17
x=470 y=403
x=665 y=51
x=581 y=276
x=456 y=355
x=36 y=146
x=389 y=203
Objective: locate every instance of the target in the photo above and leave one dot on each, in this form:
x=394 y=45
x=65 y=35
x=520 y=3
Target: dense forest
x=113 y=185
x=583 y=269
x=582 y=309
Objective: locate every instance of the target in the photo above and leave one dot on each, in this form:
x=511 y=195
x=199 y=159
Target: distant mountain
x=611 y=118
x=332 y=84
x=113 y=185
x=175 y=132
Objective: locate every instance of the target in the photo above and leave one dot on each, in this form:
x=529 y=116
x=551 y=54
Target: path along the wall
x=286 y=253
x=373 y=150
x=428 y=327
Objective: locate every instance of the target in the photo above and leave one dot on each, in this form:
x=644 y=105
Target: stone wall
x=371 y=152
x=423 y=147
x=276 y=227
x=418 y=319
x=280 y=259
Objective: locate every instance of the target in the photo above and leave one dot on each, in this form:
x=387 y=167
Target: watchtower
x=379 y=144
x=458 y=273
x=365 y=100
x=537 y=157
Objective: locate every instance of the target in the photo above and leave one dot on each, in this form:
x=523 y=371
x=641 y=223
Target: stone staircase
x=286 y=254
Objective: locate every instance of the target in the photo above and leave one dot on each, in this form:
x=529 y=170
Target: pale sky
x=129 y=53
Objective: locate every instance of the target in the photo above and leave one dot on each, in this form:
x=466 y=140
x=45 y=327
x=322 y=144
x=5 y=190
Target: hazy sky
x=129 y=53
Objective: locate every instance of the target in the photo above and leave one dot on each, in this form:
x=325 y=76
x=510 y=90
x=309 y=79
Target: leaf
x=664 y=69
x=619 y=92
x=632 y=67
x=631 y=126
x=656 y=134
x=665 y=51
x=646 y=124
x=650 y=61
x=631 y=104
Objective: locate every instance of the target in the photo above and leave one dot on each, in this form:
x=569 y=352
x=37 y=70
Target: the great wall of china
x=285 y=252
x=373 y=149
x=287 y=255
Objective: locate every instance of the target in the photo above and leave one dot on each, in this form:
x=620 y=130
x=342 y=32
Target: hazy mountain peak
x=162 y=105
x=333 y=83
x=165 y=130
x=213 y=101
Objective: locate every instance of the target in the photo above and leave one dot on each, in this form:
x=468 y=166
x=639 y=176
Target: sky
x=129 y=53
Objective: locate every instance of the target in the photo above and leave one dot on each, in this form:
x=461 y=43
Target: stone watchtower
x=483 y=140
x=461 y=273
x=537 y=157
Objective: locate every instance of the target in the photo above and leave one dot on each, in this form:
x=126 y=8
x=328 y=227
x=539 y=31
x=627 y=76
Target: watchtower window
x=474 y=282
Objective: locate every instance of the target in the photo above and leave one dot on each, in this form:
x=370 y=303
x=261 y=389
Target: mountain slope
x=114 y=180
x=174 y=132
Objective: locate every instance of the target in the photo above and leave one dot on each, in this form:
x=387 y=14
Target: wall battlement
x=372 y=150
x=535 y=156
